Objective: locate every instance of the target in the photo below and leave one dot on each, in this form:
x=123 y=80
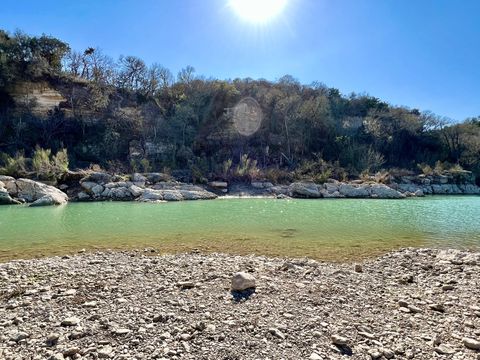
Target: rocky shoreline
x=409 y=304
x=158 y=187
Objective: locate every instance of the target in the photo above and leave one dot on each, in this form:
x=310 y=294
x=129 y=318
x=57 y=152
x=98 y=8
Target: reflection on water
x=325 y=229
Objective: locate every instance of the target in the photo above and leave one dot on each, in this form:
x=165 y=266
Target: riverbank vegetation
x=123 y=116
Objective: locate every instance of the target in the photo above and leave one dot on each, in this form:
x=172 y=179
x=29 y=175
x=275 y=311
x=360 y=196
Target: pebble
x=277 y=333
x=70 y=321
x=471 y=343
x=444 y=349
x=339 y=340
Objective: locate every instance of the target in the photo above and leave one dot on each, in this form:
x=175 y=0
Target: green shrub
x=13 y=166
x=41 y=162
x=425 y=169
x=145 y=165
x=246 y=169
x=60 y=162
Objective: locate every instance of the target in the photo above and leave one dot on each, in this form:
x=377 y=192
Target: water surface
x=330 y=229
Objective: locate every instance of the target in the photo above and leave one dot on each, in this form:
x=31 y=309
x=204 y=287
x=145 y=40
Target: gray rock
x=33 y=190
x=242 y=281
x=70 y=321
x=98 y=177
x=382 y=191
x=339 y=340
x=444 y=350
x=353 y=191
x=6 y=199
x=88 y=185
x=197 y=195
x=471 y=343
x=304 y=189
x=120 y=193
x=53 y=199
x=218 y=184
x=358 y=268
x=136 y=190
x=97 y=190
x=83 y=196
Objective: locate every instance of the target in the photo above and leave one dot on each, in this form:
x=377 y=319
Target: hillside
x=124 y=116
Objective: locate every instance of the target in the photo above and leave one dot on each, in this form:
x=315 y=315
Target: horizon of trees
x=125 y=115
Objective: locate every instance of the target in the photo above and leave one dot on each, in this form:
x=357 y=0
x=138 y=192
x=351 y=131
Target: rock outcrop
x=17 y=191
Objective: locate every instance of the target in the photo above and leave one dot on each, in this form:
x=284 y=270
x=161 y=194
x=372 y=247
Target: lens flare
x=258 y=11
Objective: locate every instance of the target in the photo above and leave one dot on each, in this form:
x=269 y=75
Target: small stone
x=185 y=284
x=277 y=333
x=406 y=279
x=358 y=268
x=210 y=328
x=339 y=340
x=471 y=343
x=165 y=335
x=444 y=350
x=71 y=351
x=447 y=287
x=414 y=309
x=315 y=356
x=90 y=304
x=389 y=354
x=70 y=292
x=122 y=331
x=70 y=321
x=52 y=339
x=19 y=336
x=105 y=352
x=437 y=307
x=242 y=281
x=56 y=356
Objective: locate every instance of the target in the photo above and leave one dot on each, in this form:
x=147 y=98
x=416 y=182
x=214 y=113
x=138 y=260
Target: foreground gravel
x=411 y=304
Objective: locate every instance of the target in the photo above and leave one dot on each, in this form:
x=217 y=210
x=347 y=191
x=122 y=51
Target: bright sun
x=258 y=11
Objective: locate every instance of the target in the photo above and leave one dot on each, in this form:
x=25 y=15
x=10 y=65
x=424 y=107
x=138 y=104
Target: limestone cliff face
x=41 y=96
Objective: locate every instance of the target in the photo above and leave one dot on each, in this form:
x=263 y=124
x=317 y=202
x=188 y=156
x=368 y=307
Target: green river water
x=337 y=229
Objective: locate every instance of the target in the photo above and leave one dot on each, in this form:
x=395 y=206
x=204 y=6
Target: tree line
x=124 y=115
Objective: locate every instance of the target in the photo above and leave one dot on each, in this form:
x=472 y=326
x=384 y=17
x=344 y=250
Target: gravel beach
x=409 y=304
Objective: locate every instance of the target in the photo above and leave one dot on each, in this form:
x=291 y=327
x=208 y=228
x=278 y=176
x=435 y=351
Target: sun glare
x=258 y=11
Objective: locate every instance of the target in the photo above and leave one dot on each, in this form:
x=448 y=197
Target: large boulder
x=151 y=195
x=304 y=190
x=157 y=177
x=98 y=177
x=469 y=189
x=88 y=185
x=97 y=190
x=139 y=180
x=353 y=191
x=197 y=195
x=136 y=191
x=32 y=191
x=218 y=185
x=172 y=195
x=9 y=184
x=382 y=191
x=440 y=189
x=120 y=194
x=52 y=199
x=5 y=198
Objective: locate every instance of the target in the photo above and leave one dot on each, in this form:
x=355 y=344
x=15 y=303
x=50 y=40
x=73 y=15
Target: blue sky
x=420 y=53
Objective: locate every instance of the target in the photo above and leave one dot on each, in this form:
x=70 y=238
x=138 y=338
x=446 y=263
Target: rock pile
x=410 y=304
x=152 y=187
